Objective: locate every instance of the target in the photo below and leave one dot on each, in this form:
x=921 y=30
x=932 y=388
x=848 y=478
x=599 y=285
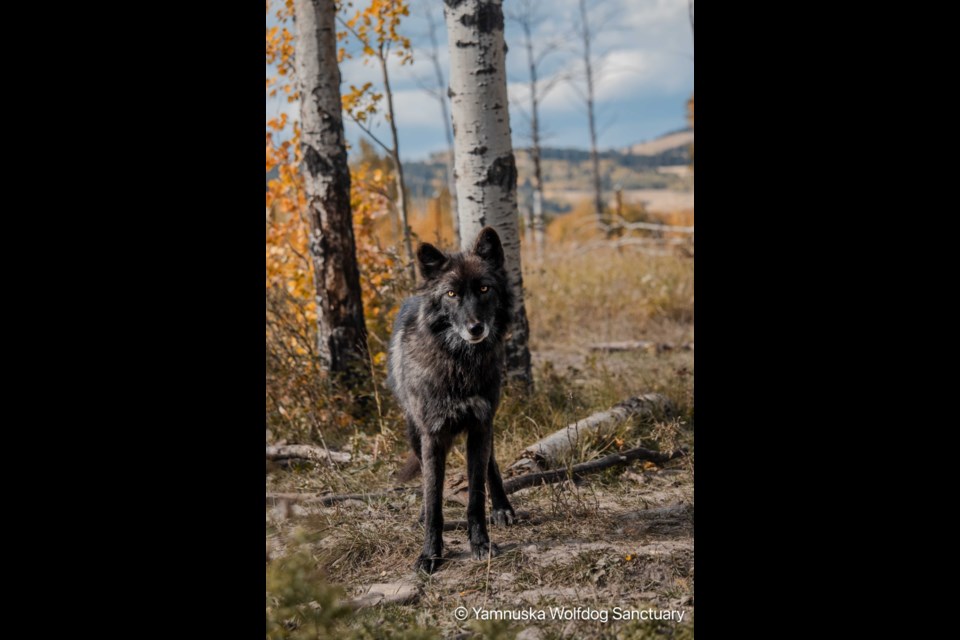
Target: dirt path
x=614 y=544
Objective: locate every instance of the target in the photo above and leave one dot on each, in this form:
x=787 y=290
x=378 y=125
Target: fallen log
x=635 y=345
x=288 y=452
x=549 y=451
x=578 y=470
x=387 y=593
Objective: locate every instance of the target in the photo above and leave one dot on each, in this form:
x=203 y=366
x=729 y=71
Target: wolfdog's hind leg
x=501 y=512
x=414 y=436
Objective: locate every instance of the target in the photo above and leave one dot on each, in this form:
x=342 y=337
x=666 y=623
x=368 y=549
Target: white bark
x=341 y=333
x=486 y=171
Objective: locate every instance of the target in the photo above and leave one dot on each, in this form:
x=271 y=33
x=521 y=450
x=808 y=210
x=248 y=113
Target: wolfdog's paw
x=428 y=564
x=483 y=550
x=503 y=517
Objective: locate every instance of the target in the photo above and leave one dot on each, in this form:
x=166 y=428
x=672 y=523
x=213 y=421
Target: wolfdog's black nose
x=476 y=330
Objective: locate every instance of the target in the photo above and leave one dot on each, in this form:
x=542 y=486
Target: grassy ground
x=621 y=538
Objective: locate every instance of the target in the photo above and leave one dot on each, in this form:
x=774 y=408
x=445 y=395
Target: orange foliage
x=430 y=221
x=280 y=52
x=375 y=30
x=375 y=27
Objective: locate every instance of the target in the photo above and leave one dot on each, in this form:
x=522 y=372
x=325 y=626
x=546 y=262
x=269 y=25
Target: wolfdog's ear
x=432 y=260
x=489 y=248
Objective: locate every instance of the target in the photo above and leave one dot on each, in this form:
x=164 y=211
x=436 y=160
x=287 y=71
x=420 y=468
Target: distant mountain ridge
x=666 y=142
x=659 y=163
x=655 y=164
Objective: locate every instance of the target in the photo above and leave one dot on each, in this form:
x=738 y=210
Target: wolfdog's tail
x=409 y=470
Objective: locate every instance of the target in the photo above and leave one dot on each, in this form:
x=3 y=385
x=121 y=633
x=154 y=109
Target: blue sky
x=645 y=80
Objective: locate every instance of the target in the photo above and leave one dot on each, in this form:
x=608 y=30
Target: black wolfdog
x=445 y=360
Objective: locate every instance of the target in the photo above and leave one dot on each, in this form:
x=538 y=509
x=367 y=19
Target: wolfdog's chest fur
x=442 y=383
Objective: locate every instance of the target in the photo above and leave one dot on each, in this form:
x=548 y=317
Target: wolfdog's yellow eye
x=484 y=289
x=452 y=294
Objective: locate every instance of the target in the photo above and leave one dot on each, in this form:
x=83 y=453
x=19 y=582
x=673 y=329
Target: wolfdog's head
x=467 y=296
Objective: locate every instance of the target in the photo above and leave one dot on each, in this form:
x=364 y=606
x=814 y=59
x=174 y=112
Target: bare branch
x=356 y=35
x=551 y=46
x=518 y=106
x=432 y=91
x=549 y=84
x=367 y=131
x=609 y=123
x=580 y=92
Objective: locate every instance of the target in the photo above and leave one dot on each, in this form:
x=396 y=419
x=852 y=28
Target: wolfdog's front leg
x=479 y=443
x=433 y=461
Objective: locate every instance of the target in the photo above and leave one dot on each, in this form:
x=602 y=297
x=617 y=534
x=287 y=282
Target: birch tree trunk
x=398 y=167
x=442 y=97
x=486 y=171
x=538 y=237
x=537 y=205
x=341 y=333
x=594 y=158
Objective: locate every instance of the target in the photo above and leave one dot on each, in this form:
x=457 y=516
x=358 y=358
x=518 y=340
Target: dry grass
x=605 y=295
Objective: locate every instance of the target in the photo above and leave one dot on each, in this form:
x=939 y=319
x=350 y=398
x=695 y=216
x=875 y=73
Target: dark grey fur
x=445 y=365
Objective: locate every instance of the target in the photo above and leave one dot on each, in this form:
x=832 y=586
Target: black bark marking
x=497 y=106
x=478 y=151
x=489 y=69
x=453 y=4
x=464 y=45
x=451 y=93
x=316 y=164
x=487 y=18
x=330 y=122
x=503 y=172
